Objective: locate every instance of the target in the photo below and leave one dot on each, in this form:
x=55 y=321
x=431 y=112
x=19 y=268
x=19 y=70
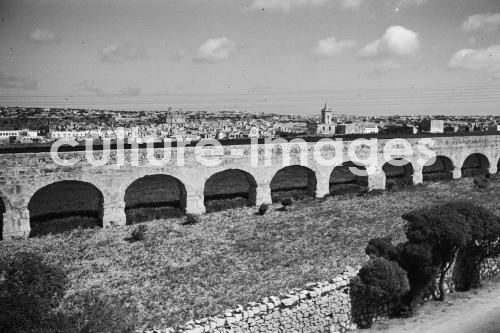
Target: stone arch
x=294 y=181
x=65 y=205
x=155 y=196
x=344 y=180
x=2 y=212
x=229 y=188
x=441 y=169
x=475 y=164
x=398 y=173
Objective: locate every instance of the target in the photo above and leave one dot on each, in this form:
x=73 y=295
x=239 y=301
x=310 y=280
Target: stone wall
x=321 y=307
x=21 y=175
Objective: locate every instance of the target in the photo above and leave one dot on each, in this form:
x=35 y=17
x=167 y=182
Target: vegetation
x=138 y=234
x=286 y=203
x=217 y=205
x=436 y=237
x=232 y=257
x=263 y=209
x=482 y=182
x=29 y=292
x=381 y=281
x=191 y=219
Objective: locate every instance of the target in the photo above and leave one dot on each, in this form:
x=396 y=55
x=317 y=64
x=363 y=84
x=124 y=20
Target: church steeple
x=326 y=115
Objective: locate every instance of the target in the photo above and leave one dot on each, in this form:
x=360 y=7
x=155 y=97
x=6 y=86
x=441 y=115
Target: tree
x=484 y=235
x=444 y=231
x=381 y=247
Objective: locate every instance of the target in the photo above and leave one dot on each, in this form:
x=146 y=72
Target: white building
x=370 y=130
x=5 y=135
x=75 y=135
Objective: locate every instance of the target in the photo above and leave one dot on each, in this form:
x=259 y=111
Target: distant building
x=6 y=135
x=175 y=118
x=254 y=132
x=494 y=128
x=432 y=126
x=347 y=129
x=370 y=129
x=325 y=127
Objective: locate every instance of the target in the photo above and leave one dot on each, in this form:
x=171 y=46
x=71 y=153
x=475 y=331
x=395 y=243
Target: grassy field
x=235 y=256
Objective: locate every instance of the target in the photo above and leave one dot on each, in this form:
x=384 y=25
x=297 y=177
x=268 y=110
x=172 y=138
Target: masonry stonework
x=21 y=175
x=323 y=307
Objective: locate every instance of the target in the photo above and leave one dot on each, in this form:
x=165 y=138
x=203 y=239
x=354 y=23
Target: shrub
x=379 y=281
x=384 y=280
x=381 y=247
x=138 y=234
x=191 y=219
x=92 y=312
x=443 y=231
x=417 y=261
x=263 y=209
x=483 y=242
x=481 y=182
x=29 y=290
x=286 y=202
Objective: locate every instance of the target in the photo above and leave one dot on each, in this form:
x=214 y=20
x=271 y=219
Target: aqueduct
x=252 y=172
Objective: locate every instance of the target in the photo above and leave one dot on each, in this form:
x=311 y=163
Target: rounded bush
x=286 y=202
x=263 y=209
x=383 y=280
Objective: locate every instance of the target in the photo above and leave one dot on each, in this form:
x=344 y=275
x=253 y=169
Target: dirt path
x=471 y=312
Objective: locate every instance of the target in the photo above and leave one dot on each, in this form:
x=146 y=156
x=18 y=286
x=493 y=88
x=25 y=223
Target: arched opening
x=154 y=197
x=348 y=178
x=64 y=206
x=475 y=165
x=295 y=182
x=441 y=169
x=398 y=173
x=498 y=167
x=229 y=189
x=2 y=211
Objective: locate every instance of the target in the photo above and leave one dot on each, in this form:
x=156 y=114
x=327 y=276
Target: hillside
x=234 y=257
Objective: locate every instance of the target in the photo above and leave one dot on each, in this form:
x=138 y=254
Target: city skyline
x=390 y=57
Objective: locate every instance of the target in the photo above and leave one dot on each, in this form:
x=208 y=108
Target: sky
x=362 y=57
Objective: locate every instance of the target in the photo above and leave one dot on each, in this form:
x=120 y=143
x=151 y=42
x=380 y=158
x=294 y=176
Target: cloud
x=411 y=3
x=397 y=41
x=129 y=91
x=215 y=49
x=483 y=22
x=351 y=4
x=14 y=82
x=477 y=59
x=332 y=47
x=285 y=5
x=121 y=51
x=90 y=86
x=42 y=36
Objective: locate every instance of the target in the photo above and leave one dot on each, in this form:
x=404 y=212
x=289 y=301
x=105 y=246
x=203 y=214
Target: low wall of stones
x=321 y=307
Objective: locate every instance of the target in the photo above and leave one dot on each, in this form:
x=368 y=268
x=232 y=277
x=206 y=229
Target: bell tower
x=326 y=115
